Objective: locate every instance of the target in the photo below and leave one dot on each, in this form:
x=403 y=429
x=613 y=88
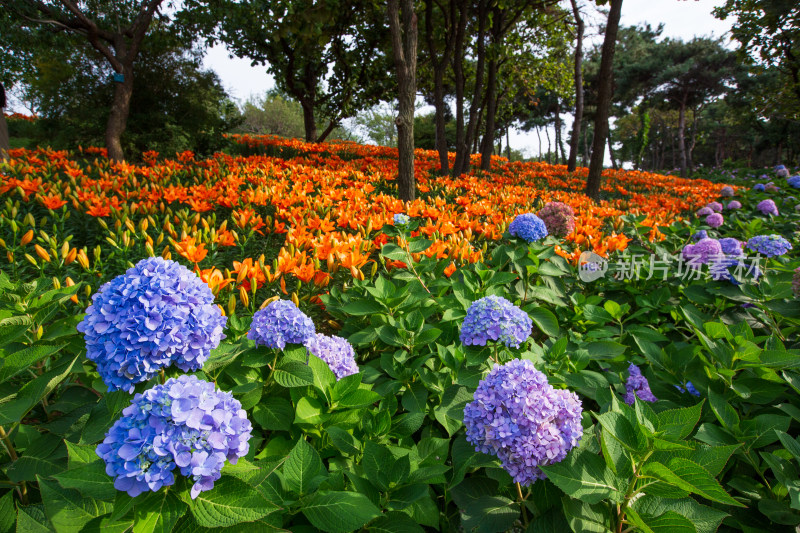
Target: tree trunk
x=458 y=74
x=5 y=142
x=477 y=97
x=611 y=152
x=118 y=117
x=682 y=138
x=605 y=93
x=441 y=129
x=560 y=155
x=491 y=92
x=549 y=149
x=576 y=125
x=693 y=143
x=508 y=144
x=539 y=136
x=404 y=45
x=309 y=124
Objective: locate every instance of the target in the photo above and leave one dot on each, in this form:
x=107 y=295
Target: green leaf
x=31 y=519
x=622 y=430
x=490 y=514
x=19 y=361
x=359 y=398
x=13 y=327
x=375 y=462
x=8 y=515
x=669 y=522
x=301 y=467
x=679 y=423
x=450 y=413
x=343 y=440
x=723 y=410
x=584 y=475
x=32 y=392
x=157 y=512
x=292 y=374
x=705 y=519
x=363 y=307
x=689 y=476
x=80 y=454
x=790 y=444
x=324 y=378
x=90 y=480
x=67 y=509
x=274 y=413
x=395 y=522
x=337 y=511
x=600 y=350
x=545 y=321
x=230 y=502
x=587 y=518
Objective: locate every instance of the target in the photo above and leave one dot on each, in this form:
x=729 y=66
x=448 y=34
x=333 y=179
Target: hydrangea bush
x=280 y=323
x=185 y=426
x=158 y=314
x=528 y=227
x=493 y=318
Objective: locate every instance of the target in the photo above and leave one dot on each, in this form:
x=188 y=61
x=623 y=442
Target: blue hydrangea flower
x=528 y=227
x=495 y=318
x=335 y=351
x=400 y=219
x=759 y=187
x=731 y=246
x=280 y=323
x=769 y=245
x=689 y=388
x=155 y=315
x=519 y=417
x=702 y=234
x=184 y=424
x=794 y=182
x=637 y=386
x=704 y=252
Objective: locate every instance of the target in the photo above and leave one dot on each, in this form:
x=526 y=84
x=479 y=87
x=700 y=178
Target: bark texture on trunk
x=491 y=93
x=309 y=124
x=682 y=138
x=576 y=125
x=438 y=63
x=604 y=95
x=118 y=117
x=403 y=28
x=5 y=142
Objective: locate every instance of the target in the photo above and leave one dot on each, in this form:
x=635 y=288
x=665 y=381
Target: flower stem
x=522 y=504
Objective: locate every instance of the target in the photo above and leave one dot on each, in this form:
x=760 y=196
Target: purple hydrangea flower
x=559 y=218
x=705 y=211
x=702 y=253
x=782 y=171
x=769 y=245
x=734 y=204
x=759 y=187
x=495 y=318
x=715 y=206
x=767 y=207
x=731 y=246
x=637 y=386
x=714 y=220
x=280 y=323
x=794 y=182
x=528 y=227
x=702 y=234
x=401 y=219
x=726 y=192
x=185 y=424
x=155 y=315
x=336 y=352
x=519 y=417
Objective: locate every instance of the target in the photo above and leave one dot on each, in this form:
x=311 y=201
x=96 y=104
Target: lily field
x=269 y=340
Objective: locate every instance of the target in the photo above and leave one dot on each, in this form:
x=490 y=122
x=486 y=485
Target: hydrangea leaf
x=338 y=511
x=230 y=502
x=302 y=467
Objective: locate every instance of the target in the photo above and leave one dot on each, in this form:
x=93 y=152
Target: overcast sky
x=681 y=18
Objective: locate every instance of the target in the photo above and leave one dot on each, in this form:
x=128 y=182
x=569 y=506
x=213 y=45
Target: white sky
x=681 y=18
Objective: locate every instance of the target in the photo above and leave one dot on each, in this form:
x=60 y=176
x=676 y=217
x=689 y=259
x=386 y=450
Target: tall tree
x=576 y=124
x=604 y=95
x=403 y=30
x=5 y=144
x=116 y=30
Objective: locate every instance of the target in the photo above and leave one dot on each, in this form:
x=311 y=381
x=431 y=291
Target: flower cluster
x=528 y=227
x=794 y=182
x=714 y=220
x=689 y=388
x=559 y=218
x=400 y=219
x=185 y=424
x=769 y=245
x=336 y=352
x=726 y=192
x=782 y=171
x=280 y=323
x=734 y=204
x=519 y=417
x=705 y=211
x=155 y=315
x=715 y=206
x=767 y=207
x=637 y=386
x=759 y=187
x=731 y=246
x=495 y=318
x=705 y=251
x=700 y=235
